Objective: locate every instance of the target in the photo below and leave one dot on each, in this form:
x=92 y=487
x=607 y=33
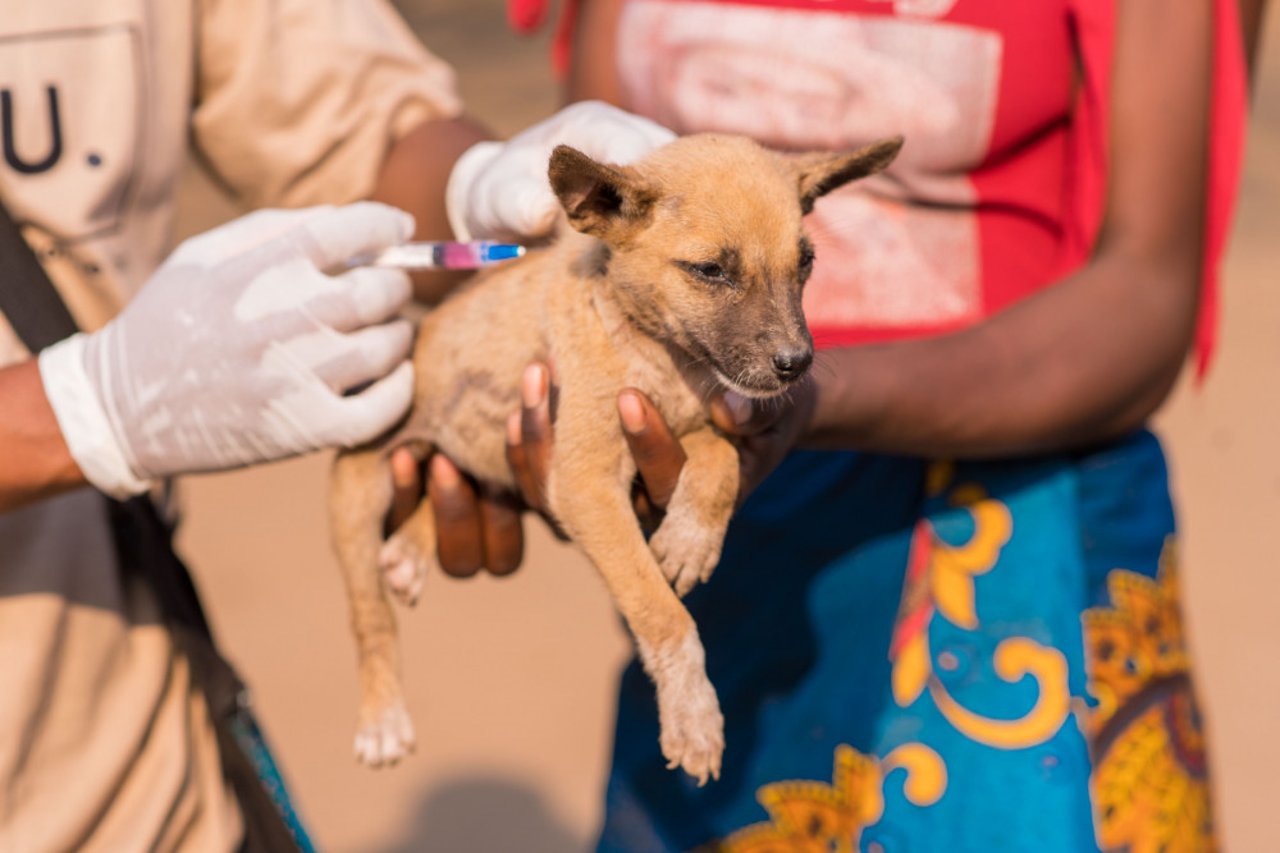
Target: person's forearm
x=413 y=178
x=1252 y=14
x=593 y=73
x=36 y=462
x=1093 y=355
x=1086 y=360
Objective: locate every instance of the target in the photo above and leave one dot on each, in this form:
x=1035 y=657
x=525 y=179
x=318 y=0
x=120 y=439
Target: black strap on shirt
x=27 y=297
x=144 y=546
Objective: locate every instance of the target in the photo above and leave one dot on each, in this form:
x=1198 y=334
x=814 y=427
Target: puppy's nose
x=790 y=364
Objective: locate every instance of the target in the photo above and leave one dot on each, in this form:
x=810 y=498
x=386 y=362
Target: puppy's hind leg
x=360 y=495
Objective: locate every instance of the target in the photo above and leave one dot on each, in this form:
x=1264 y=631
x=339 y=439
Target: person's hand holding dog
x=478 y=529
x=764 y=432
x=531 y=435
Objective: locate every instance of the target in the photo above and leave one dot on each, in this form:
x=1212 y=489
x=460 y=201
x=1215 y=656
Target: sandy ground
x=510 y=682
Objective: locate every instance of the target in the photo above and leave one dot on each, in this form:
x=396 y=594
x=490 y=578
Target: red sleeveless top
x=999 y=190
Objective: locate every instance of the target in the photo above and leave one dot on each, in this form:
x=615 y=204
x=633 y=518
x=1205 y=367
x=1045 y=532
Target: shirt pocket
x=71 y=107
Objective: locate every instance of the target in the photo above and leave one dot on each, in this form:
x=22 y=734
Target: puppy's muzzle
x=790 y=364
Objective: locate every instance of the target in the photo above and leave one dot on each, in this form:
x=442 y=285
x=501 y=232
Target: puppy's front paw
x=687 y=551
x=404 y=568
x=692 y=729
x=384 y=734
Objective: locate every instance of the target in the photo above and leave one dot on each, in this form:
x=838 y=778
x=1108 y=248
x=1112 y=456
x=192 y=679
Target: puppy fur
x=679 y=275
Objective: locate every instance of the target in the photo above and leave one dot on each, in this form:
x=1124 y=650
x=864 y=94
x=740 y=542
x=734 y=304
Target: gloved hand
x=238 y=350
x=500 y=190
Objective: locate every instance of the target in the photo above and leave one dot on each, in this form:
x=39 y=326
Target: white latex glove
x=500 y=190
x=238 y=350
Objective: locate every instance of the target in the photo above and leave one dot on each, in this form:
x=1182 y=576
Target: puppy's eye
x=805 y=268
x=709 y=271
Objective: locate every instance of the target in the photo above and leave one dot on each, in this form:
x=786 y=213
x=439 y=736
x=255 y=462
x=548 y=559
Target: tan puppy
x=686 y=277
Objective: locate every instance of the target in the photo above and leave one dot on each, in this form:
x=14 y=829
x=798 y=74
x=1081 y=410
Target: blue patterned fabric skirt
x=915 y=656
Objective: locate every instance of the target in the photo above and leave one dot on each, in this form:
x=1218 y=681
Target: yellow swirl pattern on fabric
x=954 y=567
x=926 y=774
x=1014 y=659
x=950 y=575
x=952 y=594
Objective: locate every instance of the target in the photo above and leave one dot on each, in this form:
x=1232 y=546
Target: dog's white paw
x=404 y=568
x=384 y=736
x=687 y=551
x=692 y=728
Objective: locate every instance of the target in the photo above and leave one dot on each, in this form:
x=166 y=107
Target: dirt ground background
x=511 y=682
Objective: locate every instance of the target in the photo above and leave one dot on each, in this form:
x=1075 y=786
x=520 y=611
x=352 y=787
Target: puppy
x=681 y=274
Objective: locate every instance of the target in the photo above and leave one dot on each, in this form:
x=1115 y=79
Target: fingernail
x=443 y=472
x=739 y=407
x=632 y=412
x=404 y=468
x=514 y=434
x=534 y=387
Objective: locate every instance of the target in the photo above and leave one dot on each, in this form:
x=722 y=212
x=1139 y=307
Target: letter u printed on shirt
x=70 y=118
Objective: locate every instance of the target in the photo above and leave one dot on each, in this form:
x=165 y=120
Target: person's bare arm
x=37 y=463
x=1252 y=15
x=593 y=73
x=1094 y=355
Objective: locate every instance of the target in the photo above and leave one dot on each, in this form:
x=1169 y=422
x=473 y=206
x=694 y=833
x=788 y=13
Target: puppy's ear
x=819 y=173
x=603 y=201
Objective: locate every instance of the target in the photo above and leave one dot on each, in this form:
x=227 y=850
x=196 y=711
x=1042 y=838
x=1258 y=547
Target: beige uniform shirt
x=103 y=743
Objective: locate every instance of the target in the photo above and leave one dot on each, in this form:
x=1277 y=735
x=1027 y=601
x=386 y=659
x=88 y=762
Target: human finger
x=657 y=453
x=519 y=464
x=374 y=410
x=502 y=533
x=406 y=487
x=527 y=207
x=361 y=297
x=363 y=356
x=334 y=237
x=537 y=434
x=459 y=535
x=741 y=416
